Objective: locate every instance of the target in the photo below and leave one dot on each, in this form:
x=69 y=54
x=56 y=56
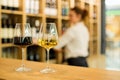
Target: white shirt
x=76 y=40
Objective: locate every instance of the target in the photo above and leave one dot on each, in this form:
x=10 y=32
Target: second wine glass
x=48 y=38
x=22 y=38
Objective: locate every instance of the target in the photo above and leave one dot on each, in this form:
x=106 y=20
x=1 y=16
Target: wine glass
x=48 y=38
x=22 y=38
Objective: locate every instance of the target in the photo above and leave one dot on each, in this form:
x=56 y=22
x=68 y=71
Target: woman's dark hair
x=79 y=11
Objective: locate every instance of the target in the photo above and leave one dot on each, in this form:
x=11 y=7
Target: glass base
x=48 y=70
x=23 y=69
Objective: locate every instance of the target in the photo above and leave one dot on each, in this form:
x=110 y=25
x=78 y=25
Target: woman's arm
x=65 y=39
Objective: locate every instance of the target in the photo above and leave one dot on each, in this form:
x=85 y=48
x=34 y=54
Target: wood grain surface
x=63 y=72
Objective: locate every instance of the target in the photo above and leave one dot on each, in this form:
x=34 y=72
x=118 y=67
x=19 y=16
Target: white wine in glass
x=48 y=38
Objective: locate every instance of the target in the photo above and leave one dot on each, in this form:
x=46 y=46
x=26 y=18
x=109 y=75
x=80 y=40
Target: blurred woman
x=76 y=39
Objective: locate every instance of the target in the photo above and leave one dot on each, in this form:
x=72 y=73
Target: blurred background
x=103 y=24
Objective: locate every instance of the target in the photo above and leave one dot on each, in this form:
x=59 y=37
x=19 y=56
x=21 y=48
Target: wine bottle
x=15 y=4
x=63 y=27
x=63 y=8
x=10 y=31
x=37 y=28
x=7 y=23
x=66 y=8
x=33 y=28
x=27 y=4
x=36 y=57
x=3 y=52
x=4 y=31
x=53 y=4
x=15 y=53
x=36 y=7
x=31 y=56
x=4 y=4
x=10 y=4
x=15 y=20
x=30 y=52
x=48 y=3
x=29 y=21
x=52 y=54
x=9 y=51
x=53 y=8
x=37 y=25
x=32 y=6
x=35 y=51
x=47 y=9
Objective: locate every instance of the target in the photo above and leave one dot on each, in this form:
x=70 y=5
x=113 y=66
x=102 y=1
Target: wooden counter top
x=64 y=72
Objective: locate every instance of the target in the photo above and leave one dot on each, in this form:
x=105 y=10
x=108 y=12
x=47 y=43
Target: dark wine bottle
x=10 y=4
x=35 y=52
x=4 y=4
x=9 y=51
x=15 y=53
x=37 y=25
x=28 y=20
x=7 y=29
x=30 y=53
x=3 y=22
x=31 y=56
x=15 y=4
x=15 y=20
x=10 y=30
x=33 y=28
x=3 y=52
x=4 y=31
x=36 y=56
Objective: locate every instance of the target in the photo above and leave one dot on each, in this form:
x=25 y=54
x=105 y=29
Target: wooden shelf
x=11 y=12
x=116 y=48
x=95 y=4
x=52 y=17
x=65 y=17
x=86 y=2
x=94 y=20
x=95 y=38
x=113 y=39
x=34 y=15
x=7 y=45
x=89 y=2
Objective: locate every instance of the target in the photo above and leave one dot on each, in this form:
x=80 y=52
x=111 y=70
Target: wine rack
x=24 y=11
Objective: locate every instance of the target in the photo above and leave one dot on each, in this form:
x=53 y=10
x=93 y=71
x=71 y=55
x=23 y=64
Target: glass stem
x=23 y=57
x=48 y=58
